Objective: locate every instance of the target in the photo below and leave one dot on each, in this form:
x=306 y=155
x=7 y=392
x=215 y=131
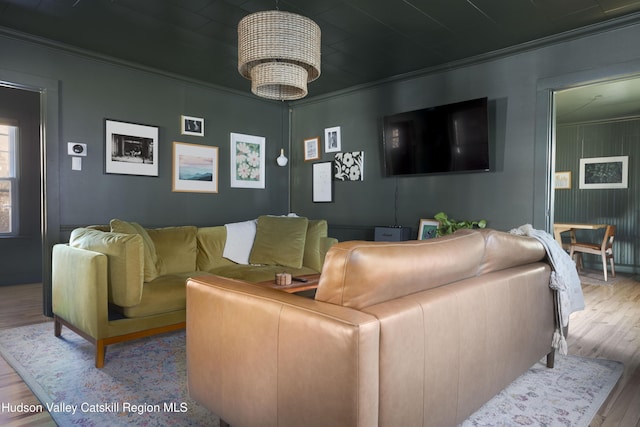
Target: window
x=8 y=180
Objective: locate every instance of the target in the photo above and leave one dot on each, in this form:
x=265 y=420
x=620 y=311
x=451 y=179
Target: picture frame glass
x=131 y=148
x=311 y=149
x=428 y=229
x=604 y=172
x=332 y=140
x=247 y=161
x=195 y=168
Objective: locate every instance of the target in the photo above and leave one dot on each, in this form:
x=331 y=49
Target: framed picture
x=195 y=168
x=131 y=148
x=247 y=161
x=191 y=126
x=332 y=141
x=604 y=172
x=322 y=182
x=428 y=229
x=311 y=149
x=562 y=180
x=349 y=166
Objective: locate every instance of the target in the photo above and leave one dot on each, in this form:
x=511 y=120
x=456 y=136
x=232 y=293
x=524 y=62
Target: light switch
x=76 y=163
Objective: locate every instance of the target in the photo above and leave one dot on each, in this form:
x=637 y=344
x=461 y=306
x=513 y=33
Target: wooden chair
x=604 y=249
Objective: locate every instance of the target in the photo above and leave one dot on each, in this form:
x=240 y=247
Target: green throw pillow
x=150 y=256
x=279 y=241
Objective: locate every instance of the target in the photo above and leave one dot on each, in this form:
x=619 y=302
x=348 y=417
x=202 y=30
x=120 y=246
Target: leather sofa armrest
x=79 y=288
x=259 y=356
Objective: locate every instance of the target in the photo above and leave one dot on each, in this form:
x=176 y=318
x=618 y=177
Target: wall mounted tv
x=443 y=139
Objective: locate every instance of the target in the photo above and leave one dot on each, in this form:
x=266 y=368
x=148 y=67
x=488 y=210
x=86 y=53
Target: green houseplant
x=450 y=225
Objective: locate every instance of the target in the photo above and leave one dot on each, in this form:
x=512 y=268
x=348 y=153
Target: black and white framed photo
x=192 y=125
x=332 y=140
x=604 y=172
x=131 y=148
x=195 y=168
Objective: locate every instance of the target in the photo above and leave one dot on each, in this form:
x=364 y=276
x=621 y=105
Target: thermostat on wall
x=76 y=149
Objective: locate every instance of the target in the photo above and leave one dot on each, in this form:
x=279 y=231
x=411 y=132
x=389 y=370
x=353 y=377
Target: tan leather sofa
x=123 y=281
x=418 y=333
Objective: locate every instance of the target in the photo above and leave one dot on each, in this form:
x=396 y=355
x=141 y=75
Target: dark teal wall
x=519 y=87
x=619 y=207
x=92 y=89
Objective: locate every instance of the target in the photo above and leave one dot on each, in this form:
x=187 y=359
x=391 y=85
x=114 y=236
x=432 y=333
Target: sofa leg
x=223 y=423
x=551 y=358
x=101 y=349
x=57 y=326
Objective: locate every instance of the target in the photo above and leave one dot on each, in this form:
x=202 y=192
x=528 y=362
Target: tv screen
x=443 y=139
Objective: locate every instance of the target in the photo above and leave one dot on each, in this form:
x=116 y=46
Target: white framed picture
x=191 y=125
x=332 y=140
x=604 y=172
x=131 y=148
x=195 y=168
x=247 y=161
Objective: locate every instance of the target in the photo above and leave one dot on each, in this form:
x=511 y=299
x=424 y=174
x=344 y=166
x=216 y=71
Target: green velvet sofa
x=121 y=282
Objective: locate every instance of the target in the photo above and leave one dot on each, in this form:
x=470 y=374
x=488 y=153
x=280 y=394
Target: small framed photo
x=311 y=149
x=247 y=161
x=428 y=229
x=131 y=148
x=322 y=191
x=604 y=172
x=562 y=180
x=332 y=141
x=192 y=125
x=195 y=168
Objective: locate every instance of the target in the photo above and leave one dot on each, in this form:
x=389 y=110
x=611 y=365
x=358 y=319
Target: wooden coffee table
x=295 y=286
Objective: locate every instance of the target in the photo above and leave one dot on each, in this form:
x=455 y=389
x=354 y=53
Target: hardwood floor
x=608 y=328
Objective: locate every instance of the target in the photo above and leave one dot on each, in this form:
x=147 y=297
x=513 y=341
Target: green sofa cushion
x=125 y=255
x=150 y=256
x=176 y=249
x=211 y=241
x=279 y=241
x=313 y=249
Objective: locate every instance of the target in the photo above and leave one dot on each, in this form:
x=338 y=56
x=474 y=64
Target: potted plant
x=450 y=225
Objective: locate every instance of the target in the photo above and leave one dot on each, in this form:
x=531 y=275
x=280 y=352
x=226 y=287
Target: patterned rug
x=143 y=383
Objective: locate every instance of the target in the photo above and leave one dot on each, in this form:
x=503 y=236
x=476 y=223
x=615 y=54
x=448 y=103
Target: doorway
x=591 y=122
x=20 y=194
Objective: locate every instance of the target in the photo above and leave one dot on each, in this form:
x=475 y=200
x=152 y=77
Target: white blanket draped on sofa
x=564 y=280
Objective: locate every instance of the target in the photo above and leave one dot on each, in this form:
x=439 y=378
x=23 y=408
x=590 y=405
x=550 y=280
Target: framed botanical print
x=247 y=161
x=428 y=229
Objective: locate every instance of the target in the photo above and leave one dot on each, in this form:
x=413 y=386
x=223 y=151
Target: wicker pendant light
x=279 y=52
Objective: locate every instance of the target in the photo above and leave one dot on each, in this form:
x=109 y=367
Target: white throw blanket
x=564 y=280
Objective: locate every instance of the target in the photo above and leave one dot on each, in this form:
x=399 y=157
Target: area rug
x=569 y=395
x=595 y=277
x=143 y=383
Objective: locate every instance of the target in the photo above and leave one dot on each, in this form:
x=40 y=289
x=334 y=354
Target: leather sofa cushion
x=504 y=250
x=359 y=274
x=176 y=249
x=150 y=256
x=279 y=241
x=125 y=254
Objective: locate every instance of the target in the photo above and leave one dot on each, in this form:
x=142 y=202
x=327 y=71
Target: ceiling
x=363 y=41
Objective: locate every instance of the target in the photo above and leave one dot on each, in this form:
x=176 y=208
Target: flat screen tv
x=444 y=139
